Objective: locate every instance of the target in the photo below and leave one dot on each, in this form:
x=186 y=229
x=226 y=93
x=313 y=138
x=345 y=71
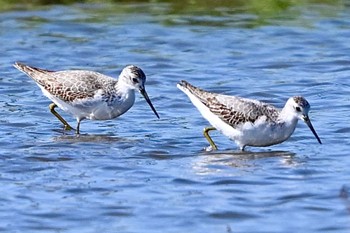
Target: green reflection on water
x=195 y=12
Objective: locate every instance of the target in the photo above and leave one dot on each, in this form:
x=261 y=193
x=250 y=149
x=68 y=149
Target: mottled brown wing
x=232 y=109
x=236 y=111
x=73 y=85
x=69 y=85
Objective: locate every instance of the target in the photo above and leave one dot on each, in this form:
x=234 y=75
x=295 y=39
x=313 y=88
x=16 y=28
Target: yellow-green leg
x=52 y=109
x=206 y=135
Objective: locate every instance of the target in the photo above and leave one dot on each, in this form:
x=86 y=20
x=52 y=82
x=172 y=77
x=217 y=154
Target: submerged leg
x=206 y=135
x=52 y=109
x=78 y=127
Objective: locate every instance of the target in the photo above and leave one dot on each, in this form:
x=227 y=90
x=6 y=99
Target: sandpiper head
x=301 y=108
x=135 y=78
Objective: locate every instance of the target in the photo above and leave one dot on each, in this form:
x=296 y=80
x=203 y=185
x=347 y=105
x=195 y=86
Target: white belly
x=263 y=134
x=94 y=108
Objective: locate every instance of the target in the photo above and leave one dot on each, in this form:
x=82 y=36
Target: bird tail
x=33 y=72
x=29 y=70
x=189 y=89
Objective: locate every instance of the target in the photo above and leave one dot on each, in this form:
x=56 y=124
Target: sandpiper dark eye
x=135 y=80
x=298 y=109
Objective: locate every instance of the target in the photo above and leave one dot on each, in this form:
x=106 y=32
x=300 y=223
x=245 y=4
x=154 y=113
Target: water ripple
x=121 y=175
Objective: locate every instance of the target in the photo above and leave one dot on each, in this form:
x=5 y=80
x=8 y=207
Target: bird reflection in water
x=215 y=162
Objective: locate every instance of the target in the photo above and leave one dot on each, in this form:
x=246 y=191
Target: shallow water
x=140 y=174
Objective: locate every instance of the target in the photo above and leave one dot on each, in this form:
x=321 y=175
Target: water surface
x=140 y=174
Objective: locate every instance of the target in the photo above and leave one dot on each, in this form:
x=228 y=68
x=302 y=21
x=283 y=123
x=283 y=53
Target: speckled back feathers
x=232 y=109
x=70 y=85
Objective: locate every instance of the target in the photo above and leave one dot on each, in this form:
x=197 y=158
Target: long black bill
x=144 y=94
x=308 y=123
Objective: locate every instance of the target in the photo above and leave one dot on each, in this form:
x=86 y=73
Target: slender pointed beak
x=308 y=123
x=144 y=94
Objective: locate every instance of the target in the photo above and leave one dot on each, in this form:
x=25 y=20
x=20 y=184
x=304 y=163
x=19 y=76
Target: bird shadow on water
x=215 y=161
x=94 y=138
x=66 y=147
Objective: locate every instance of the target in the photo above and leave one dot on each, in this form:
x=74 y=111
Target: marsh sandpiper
x=248 y=122
x=88 y=94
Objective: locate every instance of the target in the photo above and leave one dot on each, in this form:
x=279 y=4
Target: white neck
x=123 y=88
x=288 y=118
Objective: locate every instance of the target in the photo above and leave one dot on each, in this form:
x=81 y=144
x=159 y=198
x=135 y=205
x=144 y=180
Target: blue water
x=140 y=174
